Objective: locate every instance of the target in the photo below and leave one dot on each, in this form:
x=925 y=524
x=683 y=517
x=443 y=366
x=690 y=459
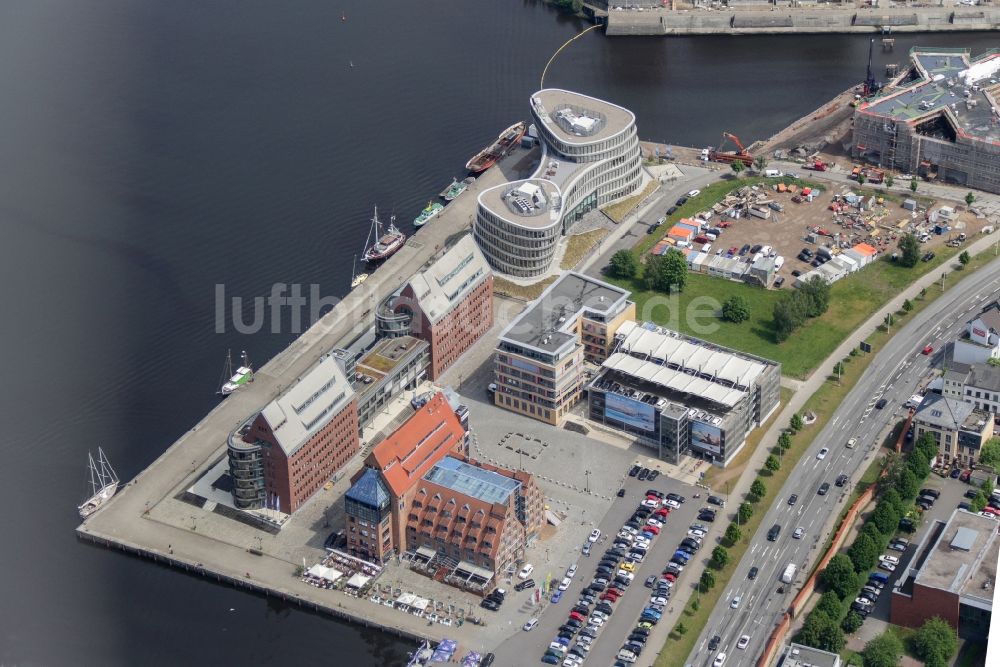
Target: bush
x=852 y=622
x=863 y=553
x=757 y=489
x=822 y=632
x=666 y=272
x=707 y=580
x=796 y=423
x=909 y=246
x=736 y=309
x=720 y=556
x=883 y=651
x=839 y=576
x=772 y=463
x=935 y=642
x=784 y=440
x=733 y=533
x=830 y=604
x=745 y=512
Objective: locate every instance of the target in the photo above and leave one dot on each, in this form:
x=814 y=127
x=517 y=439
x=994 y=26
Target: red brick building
x=952 y=575
x=377 y=500
x=450 y=303
x=297 y=442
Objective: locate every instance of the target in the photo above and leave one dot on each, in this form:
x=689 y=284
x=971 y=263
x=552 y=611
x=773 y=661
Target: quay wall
x=253 y=586
x=800 y=20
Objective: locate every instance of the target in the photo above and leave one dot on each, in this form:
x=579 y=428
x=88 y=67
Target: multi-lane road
x=894 y=374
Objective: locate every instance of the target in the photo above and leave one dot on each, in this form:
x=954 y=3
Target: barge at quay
x=488 y=157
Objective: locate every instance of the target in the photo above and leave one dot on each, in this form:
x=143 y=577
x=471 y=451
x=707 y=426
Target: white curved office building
x=590 y=157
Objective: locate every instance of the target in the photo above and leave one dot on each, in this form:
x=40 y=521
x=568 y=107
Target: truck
x=817 y=165
x=788 y=576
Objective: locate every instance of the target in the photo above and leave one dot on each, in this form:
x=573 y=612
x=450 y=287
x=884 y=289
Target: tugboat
x=103 y=484
x=429 y=213
x=232 y=381
x=385 y=244
x=506 y=142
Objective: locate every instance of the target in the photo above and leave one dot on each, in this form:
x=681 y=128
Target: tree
x=886 y=518
x=787 y=316
x=839 y=576
x=907 y=305
x=852 y=622
x=891 y=497
x=733 y=533
x=666 y=272
x=757 y=489
x=935 y=642
x=830 y=604
x=745 y=512
x=969 y=198
x=815 y=296
x=964 y=258
x=927 y=445
x=624 y=264
x=796 y=422
x=890 y=180
x=863 y=552
x=979 y=502
x=918 y=462
x=923 y=292
x=910 y=247
x=772 y=463
x=987 y=486
x=736 y=309
x=861 y=179
x=707 y=580
x=871 y=530
x=989 y=454
x=737 y=166
x=760 y=163
x=720 y=556
x=913 y=185
x=822 y=632
x=784 y=440
x=907 y=483
x=883 y=651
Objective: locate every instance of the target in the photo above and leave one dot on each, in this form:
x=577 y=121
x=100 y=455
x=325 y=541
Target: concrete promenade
x=802 y=20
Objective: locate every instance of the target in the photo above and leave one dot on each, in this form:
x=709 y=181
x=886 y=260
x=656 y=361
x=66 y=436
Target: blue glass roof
x=369 y=490
x=483 y=484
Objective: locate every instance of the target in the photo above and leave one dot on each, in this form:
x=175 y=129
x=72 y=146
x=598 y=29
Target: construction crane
x=743 y=155
x=871 y=85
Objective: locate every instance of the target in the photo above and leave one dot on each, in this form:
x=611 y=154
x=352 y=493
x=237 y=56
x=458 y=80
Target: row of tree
x=810 y=300
x=665 y=273
x=844 y=575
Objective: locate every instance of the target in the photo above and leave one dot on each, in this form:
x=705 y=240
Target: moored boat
x=428 y=214
x=503 y=145
x=386 y=244
x=103 y=484
x=456 y=188
x=232 y=381
x=357 y=278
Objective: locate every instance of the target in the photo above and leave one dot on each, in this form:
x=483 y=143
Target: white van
x=707 y=247
x=704 y=155
x=789 y=574
x=772 y=173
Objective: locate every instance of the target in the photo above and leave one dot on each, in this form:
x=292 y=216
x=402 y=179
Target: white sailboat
x=103 y=484
x=356 y=278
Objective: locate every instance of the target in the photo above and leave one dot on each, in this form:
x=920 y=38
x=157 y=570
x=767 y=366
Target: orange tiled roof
x=864 y=249
x=429 y=434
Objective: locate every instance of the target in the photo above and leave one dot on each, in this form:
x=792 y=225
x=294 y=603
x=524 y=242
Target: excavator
x=743 y=155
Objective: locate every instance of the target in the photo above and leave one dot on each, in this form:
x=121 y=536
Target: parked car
x=716 y=500
x=595 y=535
x=634 y=470
x=928 y=257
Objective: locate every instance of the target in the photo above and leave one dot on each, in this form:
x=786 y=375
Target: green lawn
x=852 y=301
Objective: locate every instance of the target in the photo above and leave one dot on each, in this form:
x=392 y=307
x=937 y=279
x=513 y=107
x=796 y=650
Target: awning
x=323 y=572
x=420 y=603
x=406 y=599
x=358 y=580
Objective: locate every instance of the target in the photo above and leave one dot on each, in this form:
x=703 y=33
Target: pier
x=152 y=516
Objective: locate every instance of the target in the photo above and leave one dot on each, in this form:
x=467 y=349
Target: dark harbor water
x=152 y=150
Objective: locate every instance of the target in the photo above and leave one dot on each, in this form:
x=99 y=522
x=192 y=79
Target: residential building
x=981 y=341
x=590 y=157
x=538 y=364
x=379 y=498
x=952 y=575
x=448 y=304
x=296 y=443
x=681 y=395
x=977 y=384
x=959 y=428
x=936 y=120
x=953 y=379
x=800 y=655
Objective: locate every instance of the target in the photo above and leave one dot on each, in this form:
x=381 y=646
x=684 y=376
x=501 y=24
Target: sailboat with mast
x=231 y=381
x=103 y=484
x=386 y=244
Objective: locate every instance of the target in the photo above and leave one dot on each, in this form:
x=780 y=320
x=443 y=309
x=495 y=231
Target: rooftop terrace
x=532 y=203
x=579 y=119
x=948 y=82
x=384 y=358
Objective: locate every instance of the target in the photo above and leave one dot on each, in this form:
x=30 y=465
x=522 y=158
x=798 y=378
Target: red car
x=670 y=576
x=927 y=350
x=617 y=591
x=724 y=224
x=653 y=529
x=661 y=513
x=577 y=616
x=610 y=596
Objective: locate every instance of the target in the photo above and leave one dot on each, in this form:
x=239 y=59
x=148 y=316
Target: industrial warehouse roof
x=450 y=278
x=308 y=405
x=548 y=322
x=944 y=83
x=466 y=479
x=588 y=119
x=686 y=353
x=674 y=380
